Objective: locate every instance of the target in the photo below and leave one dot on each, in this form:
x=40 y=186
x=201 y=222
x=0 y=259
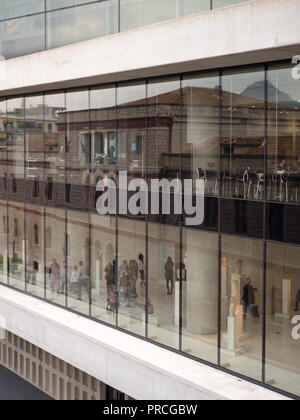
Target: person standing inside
x=55 y=276
x=248 y=298
x=141 y=265
x=297 y=301
x=108 y=275
x=75 y=280
x=169 y=275
x=255 y=306
x=133 y=274
x=83 y=280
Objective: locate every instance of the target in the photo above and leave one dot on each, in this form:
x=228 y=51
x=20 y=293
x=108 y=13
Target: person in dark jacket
x=297 y=301
x=169 y=275
x=248 y=298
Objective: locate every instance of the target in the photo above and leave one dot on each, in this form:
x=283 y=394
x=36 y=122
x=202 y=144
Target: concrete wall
x=126 y=363
x=251 y=32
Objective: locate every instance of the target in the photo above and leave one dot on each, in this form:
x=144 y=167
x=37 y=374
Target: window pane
x=199 y=274
x=242 y=300
x=135 y=13
x=81 y=23
x=243 y=131
x=54 y=138
x=164 y=258
x=201 y=130
x=34 y=219
x=283 y=297
x=283 y=146
x=3 y=243
x=15 y=8
x=78 y=260
x=55 y=254
x=16 y=245
x=22 y=36
x=78 y=149
x=34 y=146
x=131 y=247
x=164 y=140
x=103 y=268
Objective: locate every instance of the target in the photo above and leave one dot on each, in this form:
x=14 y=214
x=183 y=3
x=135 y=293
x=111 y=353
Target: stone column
x=202 y=283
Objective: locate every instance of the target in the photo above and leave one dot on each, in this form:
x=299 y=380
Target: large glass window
x=163 y=263
x=104 y=269
x=78 y=260
x=22 y=36
x=201 y=130
x=35 y=274
x=81 y=23
x=55 y=255
x=34 y=146
x=282 y=317
x=198 y=272
x=243 y=134
x=3 y=242
x=131 y=285
x=54 y=150
x=77 y=149
x=241 y=306
x=164 y=140
x=283 y=147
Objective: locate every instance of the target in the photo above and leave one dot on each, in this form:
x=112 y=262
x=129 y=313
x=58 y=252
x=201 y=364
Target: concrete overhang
x=257 y=31
x=131 y=365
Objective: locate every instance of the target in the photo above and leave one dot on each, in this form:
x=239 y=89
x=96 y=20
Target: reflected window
x=48 y=238
x=243 y=134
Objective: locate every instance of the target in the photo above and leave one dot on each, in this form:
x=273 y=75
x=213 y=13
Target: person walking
x=141 y=265
x=297 y=301
x=108 y=275
x=169 y=275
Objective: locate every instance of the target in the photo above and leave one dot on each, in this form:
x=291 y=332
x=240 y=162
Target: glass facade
x=225 y=291
x=29 y=26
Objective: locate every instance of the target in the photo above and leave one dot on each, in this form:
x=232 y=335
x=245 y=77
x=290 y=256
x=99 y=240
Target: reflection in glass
x=34 y=219
x=164 y=138
x=131 y=289
x=34 y=146
x=77 y=252
x=103 y=268
x=54 y=149
x=199 y=276
x=3 y=242
x=283 y=300
x=81 y=23
x=283 y=146
x=22 y=36
x=78 y=148
x=201 y=130
x=16 y=245
x=55 y=255
x=241 y=306
x=243 y=134
x=164 y=260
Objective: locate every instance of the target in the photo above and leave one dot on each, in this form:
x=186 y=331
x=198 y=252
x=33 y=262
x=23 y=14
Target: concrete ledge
x=140 y=369
x=251 y=32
